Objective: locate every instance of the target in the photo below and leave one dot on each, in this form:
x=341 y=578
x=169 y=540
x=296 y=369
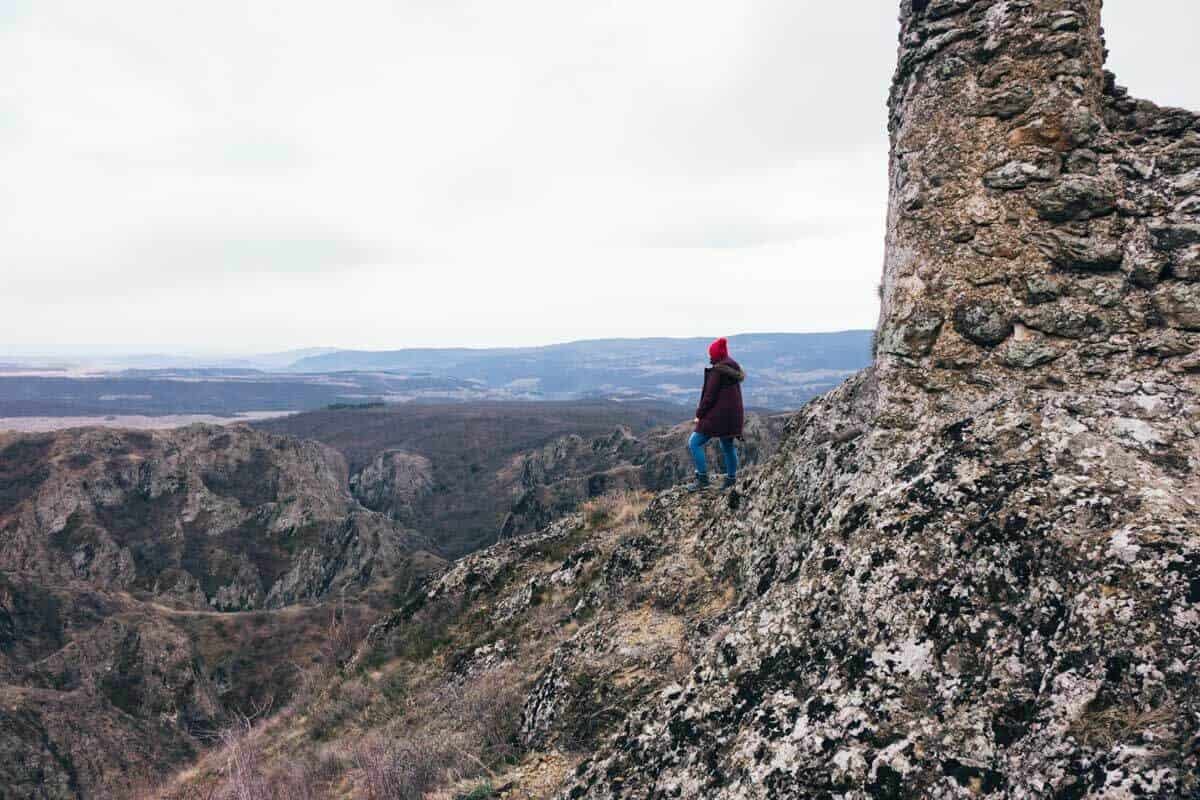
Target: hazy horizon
x=241 y=178
x=133 y=351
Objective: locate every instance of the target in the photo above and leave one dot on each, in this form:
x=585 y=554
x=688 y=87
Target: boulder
x=1179 y=305
x=983 y=322
x=1076 y=197
x=1081 y=253
x=1018 y=173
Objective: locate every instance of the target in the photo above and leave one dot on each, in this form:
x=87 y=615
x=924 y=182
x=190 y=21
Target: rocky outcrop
x=202 y=517
x=392 y=483
x=972 y=571
x=1001 y=604
x=454 y=471
x=996 y=604
x=556 y=479
x=1051 y=217
x=124 y=557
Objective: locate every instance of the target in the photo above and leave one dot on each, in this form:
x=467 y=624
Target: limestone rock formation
x=205 y=517
x=453 y=471
x=392 y=482
x=125 y=558
x=998 y=604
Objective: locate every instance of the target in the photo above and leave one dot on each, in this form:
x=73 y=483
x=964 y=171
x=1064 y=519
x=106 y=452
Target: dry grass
x=467 y=731
x=434 y=736
x=616 y=509
x=345 y=701
x=245 y=769
x=347 y=627
x=1104 y=729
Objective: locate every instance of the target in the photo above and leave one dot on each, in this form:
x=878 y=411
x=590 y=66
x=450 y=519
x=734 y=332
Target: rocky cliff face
x=974 y=569
x=124 y=558
x=393 y=483
x=1003 y=604
x=448 y=470
x=203 y=517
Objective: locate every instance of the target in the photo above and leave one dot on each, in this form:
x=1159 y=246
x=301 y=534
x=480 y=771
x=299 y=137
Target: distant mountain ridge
x=786 y=369
x=687 y=348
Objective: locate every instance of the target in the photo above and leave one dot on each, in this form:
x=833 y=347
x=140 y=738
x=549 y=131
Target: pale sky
x=241 y=176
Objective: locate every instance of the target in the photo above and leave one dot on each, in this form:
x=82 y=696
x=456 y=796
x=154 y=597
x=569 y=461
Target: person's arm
x=708 y=398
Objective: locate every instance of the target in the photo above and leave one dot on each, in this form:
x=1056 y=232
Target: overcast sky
x=238 y=176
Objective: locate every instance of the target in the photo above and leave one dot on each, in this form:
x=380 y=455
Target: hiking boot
x=700 y=484
x=728 y=483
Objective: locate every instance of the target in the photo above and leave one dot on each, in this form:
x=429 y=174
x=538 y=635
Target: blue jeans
x=728 y=452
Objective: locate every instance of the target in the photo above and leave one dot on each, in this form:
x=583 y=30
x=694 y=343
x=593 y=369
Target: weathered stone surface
x=1029 y=353
x=983 y=322
x=1179 y=304
x=1018 y=174
x=1080 y=253
x=1110 y=178
x=1183 y=155
x=1188 y=366
x=1188 y=207
x=875 y=597
x=1168 y=343
x=392 y=482
x=1145 y=264
x=1185 y=265
x=1076 y=197
x=1065 y=319
x=1006 y=102
x=938 y=9
x=1084 y=162
x=1083 y=126
x=915 y=336
x=1042 y=289
x=1174 y=235
x=1043 y=132
x=1187 y=184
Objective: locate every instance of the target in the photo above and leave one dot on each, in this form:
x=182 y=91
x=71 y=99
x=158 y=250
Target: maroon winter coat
x=720 y=411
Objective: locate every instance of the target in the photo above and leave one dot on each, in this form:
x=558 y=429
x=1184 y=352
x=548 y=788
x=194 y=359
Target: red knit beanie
x=718 y=349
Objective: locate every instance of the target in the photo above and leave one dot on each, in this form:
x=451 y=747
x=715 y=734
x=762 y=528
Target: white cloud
x=247 y=175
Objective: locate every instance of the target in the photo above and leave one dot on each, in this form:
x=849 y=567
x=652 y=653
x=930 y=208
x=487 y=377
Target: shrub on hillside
x=470 y=729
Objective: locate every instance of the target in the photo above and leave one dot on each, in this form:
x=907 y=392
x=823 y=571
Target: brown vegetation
x=443 y=698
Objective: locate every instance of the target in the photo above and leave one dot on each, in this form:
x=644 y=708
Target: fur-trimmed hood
x=729 y=369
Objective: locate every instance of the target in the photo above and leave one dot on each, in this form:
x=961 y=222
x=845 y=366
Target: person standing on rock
x=719 y=416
